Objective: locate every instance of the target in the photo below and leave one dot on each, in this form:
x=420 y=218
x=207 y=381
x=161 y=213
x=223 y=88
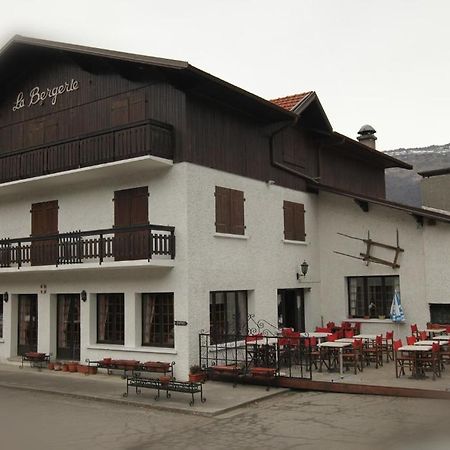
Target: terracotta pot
x=50 y=366
x=65 y=367
x=196 y=377
x=92 y=370
x=57 y=366
x=82 y=368
x=73 y=366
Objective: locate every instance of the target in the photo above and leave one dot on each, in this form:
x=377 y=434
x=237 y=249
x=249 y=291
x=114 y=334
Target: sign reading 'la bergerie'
x=37 y=96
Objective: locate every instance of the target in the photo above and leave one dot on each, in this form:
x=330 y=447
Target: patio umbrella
x=397 y=314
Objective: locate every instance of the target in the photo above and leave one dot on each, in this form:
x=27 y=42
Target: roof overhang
x=188 y=77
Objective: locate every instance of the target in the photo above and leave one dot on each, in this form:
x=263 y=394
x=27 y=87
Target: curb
x=124 y=402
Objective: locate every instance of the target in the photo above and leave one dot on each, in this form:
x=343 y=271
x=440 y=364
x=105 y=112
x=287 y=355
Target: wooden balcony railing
x=117 y=244
x=131 y=141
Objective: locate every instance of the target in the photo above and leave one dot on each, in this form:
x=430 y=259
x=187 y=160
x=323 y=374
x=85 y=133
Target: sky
x=383 y=62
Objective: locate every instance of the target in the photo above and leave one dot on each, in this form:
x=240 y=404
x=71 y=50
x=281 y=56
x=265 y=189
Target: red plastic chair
x=411 y=340
x=322 y=330
x=332 y=337
x=388 y=345
x=423 y=336
x=287 y=331
x=349 y=333
x=414 y=330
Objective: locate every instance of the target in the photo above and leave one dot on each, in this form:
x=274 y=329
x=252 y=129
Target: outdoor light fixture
x=83 y=295
x=5 y=297
x=304 y=269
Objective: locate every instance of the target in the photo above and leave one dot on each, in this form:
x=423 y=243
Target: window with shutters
x=294 y=221
x=229 y=211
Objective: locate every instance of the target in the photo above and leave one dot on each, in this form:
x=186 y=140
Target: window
x=157 y=320
x=110 y=319
x=440 y=313
x=229 y=211
x=1 y=316
x=294 y=221
x=228 y=315
x=371 y=296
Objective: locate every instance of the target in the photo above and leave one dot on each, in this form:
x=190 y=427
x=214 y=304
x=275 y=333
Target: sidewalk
x=220 y=397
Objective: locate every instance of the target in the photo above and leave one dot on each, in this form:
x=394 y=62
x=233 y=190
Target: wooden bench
x=265 y=373
x=228 y=370
x=36 y=359
x=132 y=367
x=184 y=387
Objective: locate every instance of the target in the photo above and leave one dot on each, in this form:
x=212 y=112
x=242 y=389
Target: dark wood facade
x=124 y=109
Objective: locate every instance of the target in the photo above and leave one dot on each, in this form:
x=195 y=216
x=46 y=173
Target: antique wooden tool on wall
x=367 y=257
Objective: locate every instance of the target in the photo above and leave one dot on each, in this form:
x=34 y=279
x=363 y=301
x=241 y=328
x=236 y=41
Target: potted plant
x=382 y=317
x=57 y=366
x=50 y=366
x=196 y=374
x=73 y=366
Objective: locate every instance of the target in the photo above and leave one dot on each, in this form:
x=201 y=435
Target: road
x=290 y=421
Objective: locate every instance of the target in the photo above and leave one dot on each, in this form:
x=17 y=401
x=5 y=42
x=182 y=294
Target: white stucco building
x=191 y=204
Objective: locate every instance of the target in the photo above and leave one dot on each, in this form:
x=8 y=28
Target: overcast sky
x=383 y=62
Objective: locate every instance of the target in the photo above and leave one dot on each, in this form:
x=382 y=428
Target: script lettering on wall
x=37 y=96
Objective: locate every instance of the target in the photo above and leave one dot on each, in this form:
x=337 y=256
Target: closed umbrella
x=397 y=314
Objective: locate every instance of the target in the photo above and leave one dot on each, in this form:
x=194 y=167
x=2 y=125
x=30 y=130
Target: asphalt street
x=291 y=421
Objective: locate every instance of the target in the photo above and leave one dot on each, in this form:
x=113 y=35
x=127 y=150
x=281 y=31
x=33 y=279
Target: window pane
x=228 y=315
x=376 y=300
x=157 y=320
x=110 y=318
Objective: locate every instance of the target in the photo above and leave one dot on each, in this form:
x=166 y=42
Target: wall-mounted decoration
x=371 y=245
x=43 y=288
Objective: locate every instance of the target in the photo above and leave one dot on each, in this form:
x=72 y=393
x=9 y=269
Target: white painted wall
x=260 y=262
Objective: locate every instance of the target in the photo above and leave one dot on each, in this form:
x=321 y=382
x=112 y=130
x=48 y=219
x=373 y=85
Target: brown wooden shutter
x=137 y=106
x=44 y=218
x=294 y=221
x=237 y=212
x=131 y=207
x=119 y=112
x=223 y=207
x=299 y=221
x=289 y=224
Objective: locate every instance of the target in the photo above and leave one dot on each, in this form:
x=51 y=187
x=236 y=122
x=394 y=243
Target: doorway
x=68 y=327
x=291 y=309
x=28 y=324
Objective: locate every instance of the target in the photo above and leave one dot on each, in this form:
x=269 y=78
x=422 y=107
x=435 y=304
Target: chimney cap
x=366 y=130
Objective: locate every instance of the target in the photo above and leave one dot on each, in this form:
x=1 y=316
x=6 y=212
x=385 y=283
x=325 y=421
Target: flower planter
x=73 y=367
x=65 y=367
x=82 y=369
x=165 y=379
x=197 y=377
x=57 y=366
x=51 y=366
x=92 y=370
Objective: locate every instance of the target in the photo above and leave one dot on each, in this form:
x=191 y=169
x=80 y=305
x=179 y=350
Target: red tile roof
x=291 y=101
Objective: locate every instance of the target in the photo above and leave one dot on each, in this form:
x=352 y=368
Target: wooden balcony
x=120 y=143
x=144 y=242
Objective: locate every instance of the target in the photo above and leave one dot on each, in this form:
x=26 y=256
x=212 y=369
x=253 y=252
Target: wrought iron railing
x=259 y=347
x=114 y=244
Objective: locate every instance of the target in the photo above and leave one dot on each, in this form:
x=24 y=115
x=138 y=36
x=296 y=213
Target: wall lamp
x=304 y=266
x=5 y=297
x=83 y=295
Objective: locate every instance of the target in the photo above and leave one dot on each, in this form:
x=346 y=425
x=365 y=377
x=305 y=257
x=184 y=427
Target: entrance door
x=44 y=222
x=28 y=324
x=130 y=209
x=291 y=309
x=68 y=326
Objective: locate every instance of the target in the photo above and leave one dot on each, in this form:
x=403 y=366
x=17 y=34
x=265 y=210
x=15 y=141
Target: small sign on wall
x=180 y=323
